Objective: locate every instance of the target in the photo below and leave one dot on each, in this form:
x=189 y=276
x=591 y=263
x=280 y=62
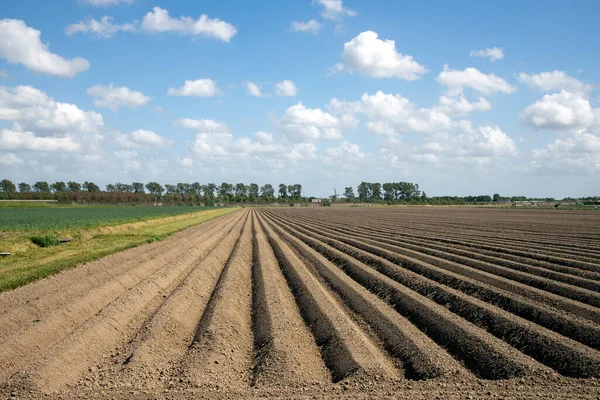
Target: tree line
x=211 y=193
x=208 y=194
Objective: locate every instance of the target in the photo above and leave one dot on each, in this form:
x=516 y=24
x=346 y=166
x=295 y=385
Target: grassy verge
x=30 y=262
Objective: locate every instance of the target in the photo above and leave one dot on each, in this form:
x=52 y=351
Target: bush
x=291 y=204
x=325 y=203
x=45 y=241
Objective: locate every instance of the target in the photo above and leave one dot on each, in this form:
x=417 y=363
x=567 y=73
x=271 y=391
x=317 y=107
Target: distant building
x=315 y=200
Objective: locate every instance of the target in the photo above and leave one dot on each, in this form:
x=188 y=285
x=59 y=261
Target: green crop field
x=19 y=219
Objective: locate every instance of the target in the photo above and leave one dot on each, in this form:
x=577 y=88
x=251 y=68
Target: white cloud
x=253 y=89
x=199 y=87
x=158 y=20
x=202 y=125
x=142 y=138
x=28 y=141
x=115 y=97
x=309 y=124
x=554 y=81
x=578 y=151
x=457 y=81
x=105 y=3
x=393 y=114
x=20 y=44
x=126 y=154
x=370 y=56
x=104 y=28
x=334 y=9
x=345 y=151
x=186 y=162
x=33 y=109
x=286 y=88
x=9 y=159
x=493 y=53
x=559 y=111
x=461 y=106
x=312 y=26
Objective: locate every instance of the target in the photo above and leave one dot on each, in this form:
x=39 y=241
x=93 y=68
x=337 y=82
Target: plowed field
x=322 y=302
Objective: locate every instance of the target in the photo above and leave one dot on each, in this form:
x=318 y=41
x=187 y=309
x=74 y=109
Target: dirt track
x=410 y=302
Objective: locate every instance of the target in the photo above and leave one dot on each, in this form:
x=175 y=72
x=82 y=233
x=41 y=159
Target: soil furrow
x=26 y=344
x=222 y=349
x=560 y=353
x=345 y=349
x=422 y=358
x=285 y=352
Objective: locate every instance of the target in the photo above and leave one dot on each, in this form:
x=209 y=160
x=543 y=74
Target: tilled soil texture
x=322 y=302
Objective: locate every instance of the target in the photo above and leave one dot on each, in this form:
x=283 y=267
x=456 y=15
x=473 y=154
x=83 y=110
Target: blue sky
x=469 y=98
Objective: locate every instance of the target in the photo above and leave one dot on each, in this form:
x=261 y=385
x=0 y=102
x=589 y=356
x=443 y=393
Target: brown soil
x=414 y=303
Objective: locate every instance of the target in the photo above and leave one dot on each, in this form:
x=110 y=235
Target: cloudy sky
x=463 y=98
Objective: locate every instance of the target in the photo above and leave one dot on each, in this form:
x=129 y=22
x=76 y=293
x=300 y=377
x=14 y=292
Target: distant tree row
x=389 y=191
x=208 y=194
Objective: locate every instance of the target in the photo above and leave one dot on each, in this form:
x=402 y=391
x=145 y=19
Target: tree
x=171 y=189
x=364 y=191
x=226 y=191
x=376 y=191
x=282 y=190
x=388 y=191
x=349 y=193
x=7 y=186
x=59 y=187
x=138 y=187
x=267 y=191
x=295 y=191
x=155 y=188
x=41 y=187
x=496 y=197
x=24 y=187
x=253 y=191
x=91 y=186
x=73 y=186
x=110 y=188
x=123 y=188
x=241 y=191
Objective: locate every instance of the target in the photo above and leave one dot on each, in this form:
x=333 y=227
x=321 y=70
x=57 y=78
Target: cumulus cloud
x=28 y=141
x=253 y=89
x=104 y=28
x=286 y=88
x=559 y=111
x=334 y=9
x=303 y=124
x=9 y=159
x=461 y=106
x=261 y=151
x=345 y=152
x=456 y=81
x=34 y=110
x=393 y=114
x=105 y=3
x=115 y=97
x=554 y=81
x=493 y=53
x=203 y=125
x=20 y=44
x=376 y=58
x=312 y=26
x=186 y=162
x=141 y=138
x=579 y=151
x=158 y=20
x=199 y=87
